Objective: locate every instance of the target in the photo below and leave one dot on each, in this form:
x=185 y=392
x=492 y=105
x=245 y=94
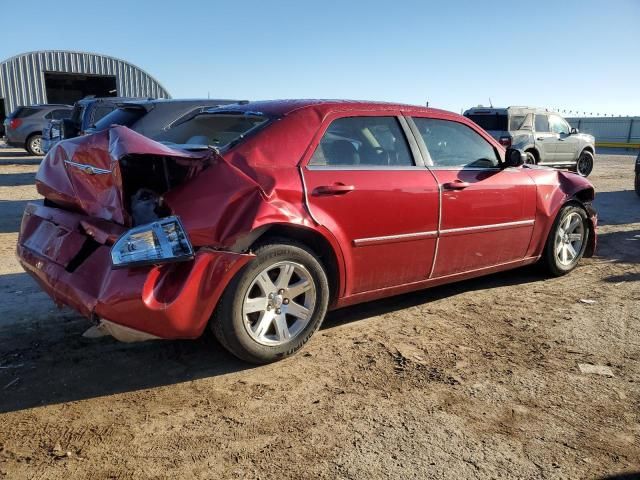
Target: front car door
x=567 y=144
x=487 y=212
x=545 y=140
x=366 y=183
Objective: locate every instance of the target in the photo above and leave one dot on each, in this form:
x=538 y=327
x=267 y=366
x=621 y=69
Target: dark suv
x=85 y=114
x=24 y=126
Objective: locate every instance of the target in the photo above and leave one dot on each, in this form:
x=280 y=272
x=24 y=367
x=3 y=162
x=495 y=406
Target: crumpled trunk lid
x=98 y=174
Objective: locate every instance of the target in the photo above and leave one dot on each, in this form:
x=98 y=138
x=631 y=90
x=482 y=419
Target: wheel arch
x=589 y=149
x=534 y=151
x=325 y=248
x=28 y=137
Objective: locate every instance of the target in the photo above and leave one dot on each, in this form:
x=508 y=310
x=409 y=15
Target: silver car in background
x=544 y=136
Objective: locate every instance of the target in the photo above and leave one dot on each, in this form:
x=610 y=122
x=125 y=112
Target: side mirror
x=574 y=130
x=514 y=158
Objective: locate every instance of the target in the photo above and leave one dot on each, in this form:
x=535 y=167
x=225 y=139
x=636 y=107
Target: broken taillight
x=162 y=241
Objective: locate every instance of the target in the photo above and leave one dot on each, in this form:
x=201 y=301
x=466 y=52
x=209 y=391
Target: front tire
x=567 y=240
x=273 y=305
x=531 y=158
x=584 y=166
x=33 y=145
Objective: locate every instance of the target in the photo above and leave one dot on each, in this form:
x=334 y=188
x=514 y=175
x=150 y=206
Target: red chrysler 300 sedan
x=256 y=218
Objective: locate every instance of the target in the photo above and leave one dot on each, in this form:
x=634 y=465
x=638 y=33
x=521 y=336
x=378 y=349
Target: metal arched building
x=56 y=76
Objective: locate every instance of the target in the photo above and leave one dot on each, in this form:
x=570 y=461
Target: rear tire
x=567 y=240
x=274 y=304
x=584 y=166
x=33 y=145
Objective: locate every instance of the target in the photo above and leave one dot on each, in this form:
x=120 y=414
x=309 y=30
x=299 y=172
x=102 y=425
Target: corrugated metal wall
x=609 y=130
x=22 y=76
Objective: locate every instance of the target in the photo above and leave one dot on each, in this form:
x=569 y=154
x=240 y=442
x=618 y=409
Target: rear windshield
x=122 y=116
x=492 y=121
x=218 y=130
x=22 y=112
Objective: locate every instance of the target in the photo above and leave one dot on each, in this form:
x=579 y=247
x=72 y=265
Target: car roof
x=506 y=110
x=286 y=107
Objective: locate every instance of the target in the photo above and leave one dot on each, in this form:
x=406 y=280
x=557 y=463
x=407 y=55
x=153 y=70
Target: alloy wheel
x=279 y=303
x=569 y=239
x=35 y=145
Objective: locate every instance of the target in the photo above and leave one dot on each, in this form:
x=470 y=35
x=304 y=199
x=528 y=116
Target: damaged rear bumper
x=165 y=301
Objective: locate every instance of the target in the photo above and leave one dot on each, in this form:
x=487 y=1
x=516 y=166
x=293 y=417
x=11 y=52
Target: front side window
x=542 y=123
x=453 y=144
x=558 y=125
x=364 y=142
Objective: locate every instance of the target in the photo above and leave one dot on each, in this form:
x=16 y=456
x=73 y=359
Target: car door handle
x=539 y=138
x=335 y=189
x=456 y=185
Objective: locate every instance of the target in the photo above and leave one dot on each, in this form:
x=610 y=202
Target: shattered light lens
x=164 y=240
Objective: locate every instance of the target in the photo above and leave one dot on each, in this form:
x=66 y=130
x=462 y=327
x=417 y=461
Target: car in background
x=85 y=114
x=545 y=137
x=24 y=126
x=637 y=181
x=151 y=117
x=294 y=212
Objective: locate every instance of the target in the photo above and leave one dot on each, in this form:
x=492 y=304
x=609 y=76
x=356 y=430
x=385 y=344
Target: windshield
x=492 y=121
x=125 y=116
x=214 y=129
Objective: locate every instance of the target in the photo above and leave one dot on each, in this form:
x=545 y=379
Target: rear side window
x=365 y=142
x=452 y=144
x=25 y=112
x=542 y=123
x=491 y=121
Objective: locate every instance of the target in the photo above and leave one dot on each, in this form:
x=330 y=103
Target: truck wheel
x=531 y=158
x=273 y=305
x=33 y=145
x=585 y=164
x=567 y=240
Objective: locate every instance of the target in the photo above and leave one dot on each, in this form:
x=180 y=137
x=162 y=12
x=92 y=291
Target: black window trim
x=414 y=149
x=427 y=156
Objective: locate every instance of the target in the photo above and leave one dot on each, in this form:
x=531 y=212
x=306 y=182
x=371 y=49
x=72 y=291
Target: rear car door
x=567 y=144
x=546 y=141
x=366 y=183
x=487 y=212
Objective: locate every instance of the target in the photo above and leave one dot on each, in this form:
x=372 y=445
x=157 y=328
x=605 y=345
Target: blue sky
x=578 y=55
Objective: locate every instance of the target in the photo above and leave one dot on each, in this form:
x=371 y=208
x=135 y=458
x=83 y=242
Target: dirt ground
x=474 y=380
